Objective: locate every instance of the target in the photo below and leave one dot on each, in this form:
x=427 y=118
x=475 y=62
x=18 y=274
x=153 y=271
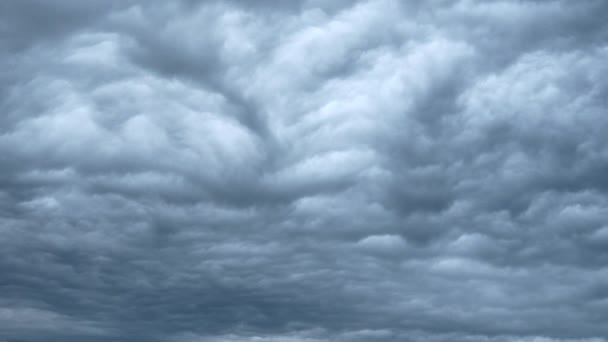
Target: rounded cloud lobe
x=310 y=171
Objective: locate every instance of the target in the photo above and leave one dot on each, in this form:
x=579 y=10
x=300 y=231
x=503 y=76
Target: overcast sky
x=303 y=171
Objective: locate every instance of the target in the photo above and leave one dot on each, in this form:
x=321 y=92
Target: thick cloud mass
x=378 y=170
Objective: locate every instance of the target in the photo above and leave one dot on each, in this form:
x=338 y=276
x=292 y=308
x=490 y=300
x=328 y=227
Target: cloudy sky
x=304 y=171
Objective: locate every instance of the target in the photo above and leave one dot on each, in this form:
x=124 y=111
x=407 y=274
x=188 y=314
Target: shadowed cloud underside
x=299 y=171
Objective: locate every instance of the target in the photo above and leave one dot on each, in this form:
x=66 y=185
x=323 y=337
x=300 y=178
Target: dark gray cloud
x=304 y=171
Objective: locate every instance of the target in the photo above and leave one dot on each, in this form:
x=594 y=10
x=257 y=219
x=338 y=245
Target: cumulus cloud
x=371 y=170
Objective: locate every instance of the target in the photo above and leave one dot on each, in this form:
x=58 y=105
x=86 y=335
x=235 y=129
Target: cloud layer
x=304 y=171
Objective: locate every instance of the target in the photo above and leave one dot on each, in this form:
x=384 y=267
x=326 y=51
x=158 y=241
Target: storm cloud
x=310 y=170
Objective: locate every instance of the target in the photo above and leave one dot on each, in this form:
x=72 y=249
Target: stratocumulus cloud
x=308 y=170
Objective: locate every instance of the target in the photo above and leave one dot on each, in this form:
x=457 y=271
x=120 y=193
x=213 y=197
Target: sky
x=303 y=171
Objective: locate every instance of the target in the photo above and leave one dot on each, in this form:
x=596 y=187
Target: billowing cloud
x=307 y=170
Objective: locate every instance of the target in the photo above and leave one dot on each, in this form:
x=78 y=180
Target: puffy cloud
x=303 y=171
